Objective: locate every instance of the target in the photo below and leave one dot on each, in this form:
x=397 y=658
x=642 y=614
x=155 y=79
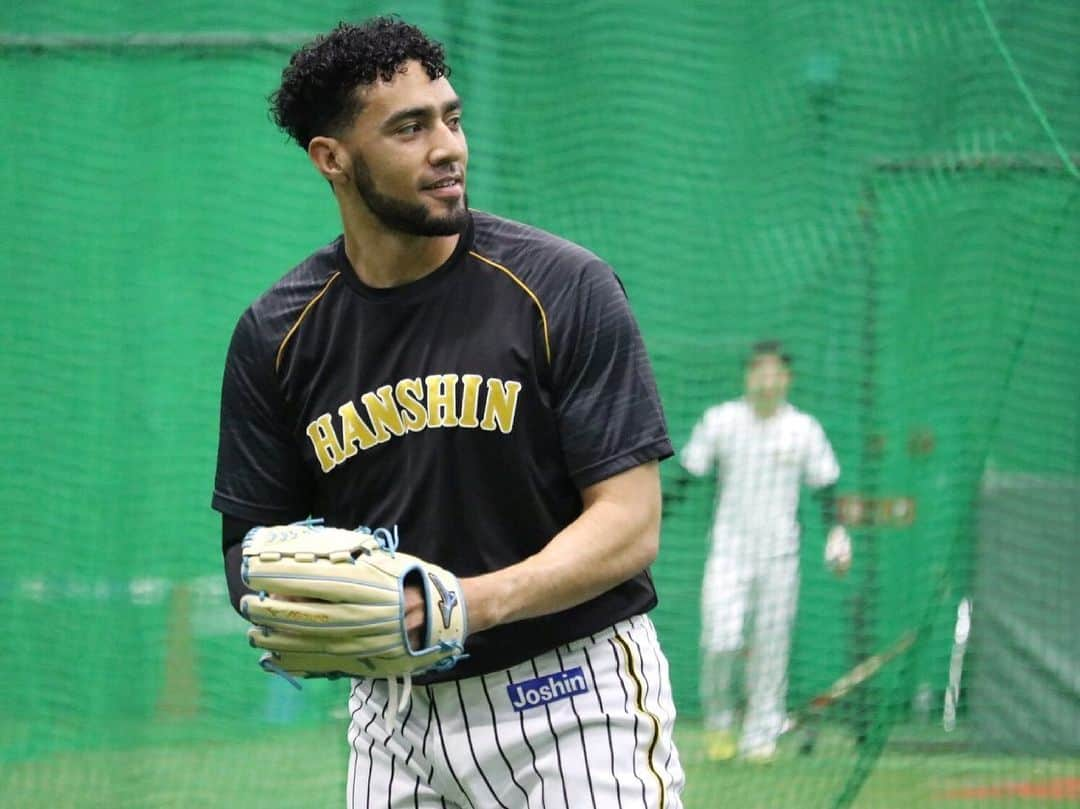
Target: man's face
x=408 y=154
x=767 y=381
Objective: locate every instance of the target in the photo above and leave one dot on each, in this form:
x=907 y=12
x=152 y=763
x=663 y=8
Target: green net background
x=885 y=186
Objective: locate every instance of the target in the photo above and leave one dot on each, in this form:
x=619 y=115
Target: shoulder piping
x=529 y=292
x=299 y=320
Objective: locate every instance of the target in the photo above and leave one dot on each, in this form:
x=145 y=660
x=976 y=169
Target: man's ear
x=328 y=156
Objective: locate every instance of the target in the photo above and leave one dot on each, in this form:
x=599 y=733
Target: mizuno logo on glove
x=447 y=600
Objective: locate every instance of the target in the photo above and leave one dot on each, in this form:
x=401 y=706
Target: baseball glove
x=331 y=602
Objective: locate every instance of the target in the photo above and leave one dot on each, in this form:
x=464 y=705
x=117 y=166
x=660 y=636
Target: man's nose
x=447 y=146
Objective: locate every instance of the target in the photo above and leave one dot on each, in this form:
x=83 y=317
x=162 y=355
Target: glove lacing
x=388 y=541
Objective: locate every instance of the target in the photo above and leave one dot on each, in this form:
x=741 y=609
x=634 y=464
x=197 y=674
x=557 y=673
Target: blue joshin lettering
x=545 y=690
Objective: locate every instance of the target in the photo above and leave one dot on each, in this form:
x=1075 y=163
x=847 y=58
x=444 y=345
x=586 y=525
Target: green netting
x=884 y=186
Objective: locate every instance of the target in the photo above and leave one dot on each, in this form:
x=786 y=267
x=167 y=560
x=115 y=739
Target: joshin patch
x=544 y=690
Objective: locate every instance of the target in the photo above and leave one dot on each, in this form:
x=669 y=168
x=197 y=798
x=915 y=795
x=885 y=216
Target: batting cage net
x=890 y=189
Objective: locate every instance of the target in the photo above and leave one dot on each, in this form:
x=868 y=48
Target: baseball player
x=475 y=392
x=763 y=449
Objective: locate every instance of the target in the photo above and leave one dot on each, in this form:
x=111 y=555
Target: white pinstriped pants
x=737 y=586
x=598 y=737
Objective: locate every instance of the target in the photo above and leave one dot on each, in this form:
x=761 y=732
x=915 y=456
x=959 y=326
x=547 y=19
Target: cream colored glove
x=331 y=602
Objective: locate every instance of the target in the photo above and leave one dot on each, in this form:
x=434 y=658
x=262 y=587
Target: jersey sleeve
x=700 y=452
x=820 y=467
x=260 y=473
x=606 y=401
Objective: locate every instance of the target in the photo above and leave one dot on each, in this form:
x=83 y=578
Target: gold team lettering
x=412 y=405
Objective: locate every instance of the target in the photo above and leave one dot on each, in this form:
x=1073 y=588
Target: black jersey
x=466 y=410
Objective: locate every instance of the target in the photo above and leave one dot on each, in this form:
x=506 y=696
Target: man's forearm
x=615 y=538
x=233 y=531
x=826 y=496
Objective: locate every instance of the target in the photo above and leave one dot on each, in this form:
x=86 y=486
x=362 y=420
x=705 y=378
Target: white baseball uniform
x=595 y=715
x=753 y=564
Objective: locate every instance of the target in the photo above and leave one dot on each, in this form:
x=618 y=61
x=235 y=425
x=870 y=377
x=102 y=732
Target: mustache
x=450 y=172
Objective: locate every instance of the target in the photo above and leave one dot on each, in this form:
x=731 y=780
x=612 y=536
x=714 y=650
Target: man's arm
x=615 y=538
x=675 y=489
x=821 y=471
x=826 y=497
x=696 y=459
x=233 y=531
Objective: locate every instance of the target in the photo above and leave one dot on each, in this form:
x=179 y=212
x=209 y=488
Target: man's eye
x=454 y=121
x=409 y=129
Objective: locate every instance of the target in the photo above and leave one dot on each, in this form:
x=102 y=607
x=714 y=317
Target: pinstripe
x=371 y=759
x=645 y=702
x=629 y=711
x=498 y=743
x=381 y=714
x=581 y=733
x=390 y=781
x=416 y=794
x=641 y=694
x=532 y=752
x=554 y=738
x=427 y=730
x=644 y=672
x=353 y=736
x=446 y=753
x=361 y=704
x=386 y=704
x=664 y=675
x=405 y=724
x=654 y=644
x=607 y=724
x=472 y=748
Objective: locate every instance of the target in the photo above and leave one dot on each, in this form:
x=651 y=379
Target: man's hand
x=838 y=551
x=415 y=615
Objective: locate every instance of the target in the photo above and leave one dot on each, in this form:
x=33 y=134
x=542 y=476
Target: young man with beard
x=479 y=389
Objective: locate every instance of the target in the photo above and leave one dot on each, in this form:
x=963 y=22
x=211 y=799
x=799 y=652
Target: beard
x=412 y=218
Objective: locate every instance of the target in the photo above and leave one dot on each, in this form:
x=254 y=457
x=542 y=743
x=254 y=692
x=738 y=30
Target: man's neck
x=766 y=411
x=384 y=258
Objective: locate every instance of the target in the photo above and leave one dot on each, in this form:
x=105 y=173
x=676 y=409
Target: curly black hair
x=317 y=97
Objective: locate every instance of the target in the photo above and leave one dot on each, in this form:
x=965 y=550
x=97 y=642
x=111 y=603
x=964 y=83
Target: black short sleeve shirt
x=467 y=410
